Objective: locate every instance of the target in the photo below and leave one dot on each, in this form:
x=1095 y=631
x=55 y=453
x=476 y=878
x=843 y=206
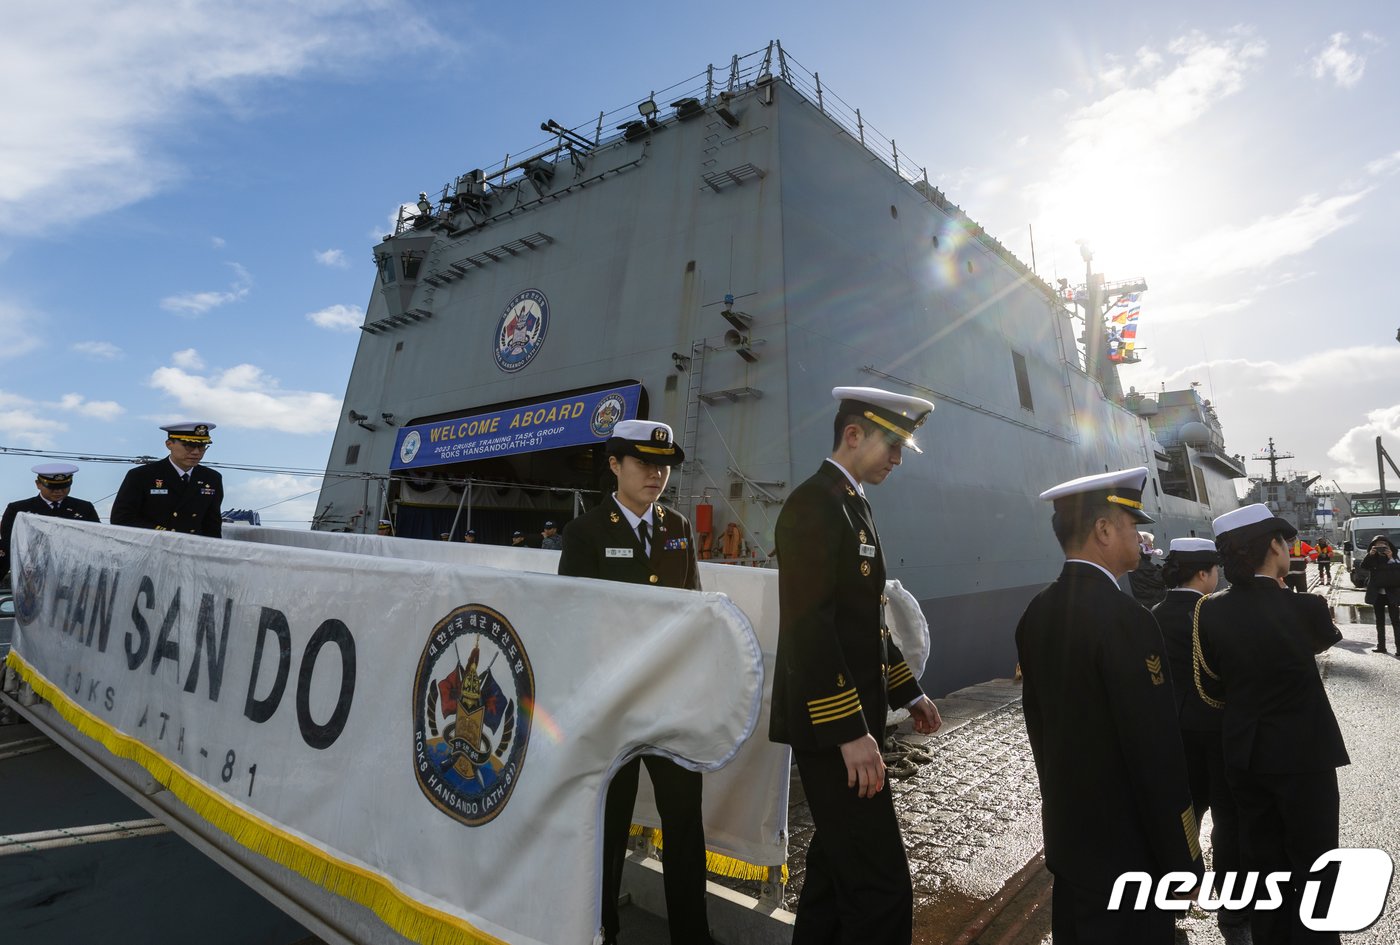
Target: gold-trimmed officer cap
x=190 y=431
x=1240 y=525
x=55 y=475
x=898 y=414
x=647 y=440
x=1122 y=488
x=1193 y=552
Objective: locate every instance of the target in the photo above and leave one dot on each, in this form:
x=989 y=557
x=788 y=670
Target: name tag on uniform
x=618 y=552
x=867 y=551
x=160 y=492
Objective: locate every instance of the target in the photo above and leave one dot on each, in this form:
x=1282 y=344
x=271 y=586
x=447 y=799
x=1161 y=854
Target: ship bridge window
x=1023 y=380
x=411 y=264
x=386 y=269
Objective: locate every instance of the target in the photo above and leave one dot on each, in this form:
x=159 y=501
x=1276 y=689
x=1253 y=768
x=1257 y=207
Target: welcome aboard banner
x=428 y=739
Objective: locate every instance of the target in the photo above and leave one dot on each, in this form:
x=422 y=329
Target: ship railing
x=744 y=72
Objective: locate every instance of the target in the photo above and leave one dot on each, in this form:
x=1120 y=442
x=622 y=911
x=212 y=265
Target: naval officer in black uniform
x=633 y=538
x=1101 y=717
x=54 y=481
x=1282 y=743
x=176 y=493
x=1192 y=570
x=836 y=672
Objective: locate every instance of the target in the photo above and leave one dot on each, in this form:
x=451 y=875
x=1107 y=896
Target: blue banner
x=570 y=421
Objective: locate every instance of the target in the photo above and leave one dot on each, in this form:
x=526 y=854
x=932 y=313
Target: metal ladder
x=690 y=434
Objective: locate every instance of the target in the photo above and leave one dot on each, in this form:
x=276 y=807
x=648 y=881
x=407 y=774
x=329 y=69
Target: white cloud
x=217 y=242
x=289 y=501
x=79 y=142
x=244 y=397
x=1355 y=451
x=16 y=335
x=187 y=359
x=1339 y=63
x=337 y=318
x=334 y=258
x=21 y=424
x=1254 y=246
x=98 y=350
x=99 y=409
x=195 y=304
x=1385 y=165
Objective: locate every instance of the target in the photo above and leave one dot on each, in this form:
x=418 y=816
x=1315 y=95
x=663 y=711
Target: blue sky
x=189 y=193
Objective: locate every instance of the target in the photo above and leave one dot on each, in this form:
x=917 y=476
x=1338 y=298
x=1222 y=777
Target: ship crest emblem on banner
x=410 y=446
x=605 y=416
x=474 y=697
x=28 y=582
x=521 y=330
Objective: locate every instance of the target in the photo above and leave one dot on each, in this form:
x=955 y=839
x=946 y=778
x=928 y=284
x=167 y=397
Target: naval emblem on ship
x=410 y=446
x=473 y=699
x=605 y=416
x=521 y=330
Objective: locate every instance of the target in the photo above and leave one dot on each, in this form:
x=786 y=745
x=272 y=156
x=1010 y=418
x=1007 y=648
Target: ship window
x=670 y=382
x=398 y=347
x=690 y=266
x=894 y=212
x=1023 y=380
x=352 y=455
x=386 y=269
x=411 y=265
x=1201 y=495
x=736 y=489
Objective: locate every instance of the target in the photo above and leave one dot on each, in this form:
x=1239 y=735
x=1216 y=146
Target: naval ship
x=719 y=255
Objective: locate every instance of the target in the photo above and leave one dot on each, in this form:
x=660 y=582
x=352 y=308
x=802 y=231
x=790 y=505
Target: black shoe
x=1380 y=649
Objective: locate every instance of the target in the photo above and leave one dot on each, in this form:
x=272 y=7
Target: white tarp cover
x=746 y=802
x=428 y=738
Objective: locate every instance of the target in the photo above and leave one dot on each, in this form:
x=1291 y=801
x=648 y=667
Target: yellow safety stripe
x=824 y=702
x=1119 y=500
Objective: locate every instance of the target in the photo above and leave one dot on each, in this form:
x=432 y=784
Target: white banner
x=428 y=738
x=746 y=802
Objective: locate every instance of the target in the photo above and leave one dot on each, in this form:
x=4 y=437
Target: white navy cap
x=190 y=431
x=647 y=440
x=1249 y=522
x=1122 y=488
x=55 y=474
x=900 y=414
x=1191 y=551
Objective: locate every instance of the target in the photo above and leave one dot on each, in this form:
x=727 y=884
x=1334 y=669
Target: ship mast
x=1273 y=456
x=1095 y=302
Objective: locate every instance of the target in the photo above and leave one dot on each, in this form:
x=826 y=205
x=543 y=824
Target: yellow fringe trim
x=408 y=917
x=716 y=863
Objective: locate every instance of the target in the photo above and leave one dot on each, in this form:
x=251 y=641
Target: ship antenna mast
x=1273 y=456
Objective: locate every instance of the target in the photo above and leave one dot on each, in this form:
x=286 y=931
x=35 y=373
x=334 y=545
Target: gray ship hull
x=840 y=267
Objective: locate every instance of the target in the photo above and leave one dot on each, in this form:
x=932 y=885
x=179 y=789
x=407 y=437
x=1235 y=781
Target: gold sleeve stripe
x=834 y=714
x=900 y=675
x=829 y=701
x=1193 y=833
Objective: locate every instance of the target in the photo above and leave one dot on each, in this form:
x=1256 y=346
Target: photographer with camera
x=1381 y=593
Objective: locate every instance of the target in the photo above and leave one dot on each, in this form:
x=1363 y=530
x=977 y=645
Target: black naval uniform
x=1200 y=736
x=672 y=563
x=1282 y=743
x=154 y=496
x=69 y=507
x=1101 y=717
x=836 y=671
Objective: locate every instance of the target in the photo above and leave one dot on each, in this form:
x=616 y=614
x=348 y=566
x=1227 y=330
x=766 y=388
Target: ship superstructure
x=718 y=256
